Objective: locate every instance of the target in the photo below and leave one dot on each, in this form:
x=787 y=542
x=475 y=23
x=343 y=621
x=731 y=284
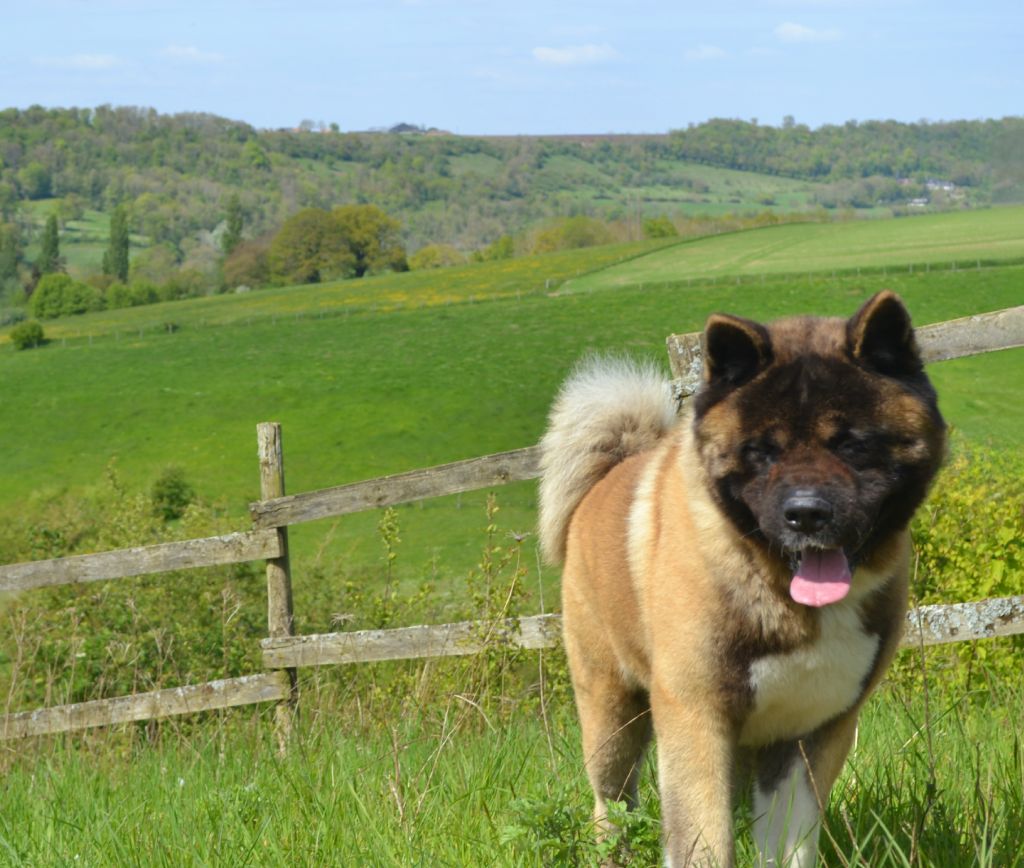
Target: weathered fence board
x=958 y=622
x=231 y=548
x=437 y=481
x=953 y=339
x=972 y=335
x=403 y=643
x=226 y=693
x=928 y=625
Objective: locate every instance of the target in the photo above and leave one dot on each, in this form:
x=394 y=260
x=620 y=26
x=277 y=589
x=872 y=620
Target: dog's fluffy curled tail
x=608 y=409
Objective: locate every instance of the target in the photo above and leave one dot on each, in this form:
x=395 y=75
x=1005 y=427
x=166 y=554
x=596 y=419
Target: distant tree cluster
x=317 y=245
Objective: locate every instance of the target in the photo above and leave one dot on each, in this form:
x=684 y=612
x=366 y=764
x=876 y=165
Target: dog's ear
x=735 y=350
x=880 y=337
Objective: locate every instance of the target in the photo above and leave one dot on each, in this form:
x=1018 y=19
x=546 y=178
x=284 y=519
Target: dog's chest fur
x=798 y=691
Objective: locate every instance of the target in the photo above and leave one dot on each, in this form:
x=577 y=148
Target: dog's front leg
x=793 y=784
x=695 y=759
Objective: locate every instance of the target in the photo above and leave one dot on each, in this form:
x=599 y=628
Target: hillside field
x=428 y=377
x=926 y=242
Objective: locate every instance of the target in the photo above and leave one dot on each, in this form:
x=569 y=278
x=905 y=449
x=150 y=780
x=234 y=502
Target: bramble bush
x=969 y=544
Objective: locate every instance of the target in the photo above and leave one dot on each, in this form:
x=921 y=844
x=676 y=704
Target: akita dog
x=735 y=578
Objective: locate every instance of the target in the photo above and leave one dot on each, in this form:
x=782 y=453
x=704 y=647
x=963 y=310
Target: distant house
x=918 y=203
x=936 y=184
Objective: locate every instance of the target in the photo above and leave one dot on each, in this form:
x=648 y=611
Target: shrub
x=59 y=295
x=660 y=227
x=436 y=256
x=969 y=544
x=171 y=494
x=572 y=233
x=26 y=335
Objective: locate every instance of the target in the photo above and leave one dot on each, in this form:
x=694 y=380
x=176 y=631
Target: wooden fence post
x=280 y=618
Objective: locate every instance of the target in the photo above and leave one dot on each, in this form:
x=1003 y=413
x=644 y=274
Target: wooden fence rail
x=232 y=548
x=283 y=652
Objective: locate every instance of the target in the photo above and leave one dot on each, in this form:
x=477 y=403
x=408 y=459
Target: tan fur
x=655 y=581
x=607 y=410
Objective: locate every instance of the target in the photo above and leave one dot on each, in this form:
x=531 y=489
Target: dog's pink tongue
x=822 y=578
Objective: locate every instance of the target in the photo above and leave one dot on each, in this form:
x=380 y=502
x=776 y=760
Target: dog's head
x=819 y=436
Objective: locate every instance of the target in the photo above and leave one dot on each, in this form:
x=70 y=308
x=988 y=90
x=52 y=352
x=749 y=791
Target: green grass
x=419 y=381
x=366 y=393
x=931 y=787
x=801 y=248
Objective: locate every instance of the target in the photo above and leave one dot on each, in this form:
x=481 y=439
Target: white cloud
x=575 y=55
x=706 y=52
x=791 y=32
x=191 y=54
x=83 y=62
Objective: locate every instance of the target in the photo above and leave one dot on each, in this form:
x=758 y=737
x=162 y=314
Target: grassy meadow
x=450 y=364
x=471 y=762
x=936 y=785
x=927 y=242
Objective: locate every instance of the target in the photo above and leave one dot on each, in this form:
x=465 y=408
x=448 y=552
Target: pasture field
x=936 y=784
x=363 y=393
x=680 y=189
x=381 y=294
x=926 y=242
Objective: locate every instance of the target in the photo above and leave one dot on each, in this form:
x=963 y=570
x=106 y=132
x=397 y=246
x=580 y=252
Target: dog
x=735 y=576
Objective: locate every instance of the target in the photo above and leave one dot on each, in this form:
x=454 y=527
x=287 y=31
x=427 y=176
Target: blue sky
x=520 y=66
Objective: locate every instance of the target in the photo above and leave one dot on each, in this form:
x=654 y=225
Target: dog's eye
x=852 y=447
x=759 y=454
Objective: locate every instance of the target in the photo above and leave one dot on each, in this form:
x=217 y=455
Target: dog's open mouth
x=821 y=577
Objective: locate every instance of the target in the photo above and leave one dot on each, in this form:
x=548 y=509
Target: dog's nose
x=806 y=512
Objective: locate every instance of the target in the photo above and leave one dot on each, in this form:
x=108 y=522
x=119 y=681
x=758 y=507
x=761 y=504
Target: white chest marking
x=795 y=693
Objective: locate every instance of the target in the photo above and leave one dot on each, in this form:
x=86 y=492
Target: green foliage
x=969 y=536
x=659 y=227
x=49 y=253
x=350 y=241
x=171 y=494
x=306 y=249
x=34 y=180
x=502 y=248
x=969 y=541
x=550 y=830
x=436 y=256
x=372 y=237
x=556 y=829
x=59 y=295
x=116 y=257
x=572 y=233
x=27 y=335
x=11 y=251
x=103 y=639
x=157 y=264
x=234 y=221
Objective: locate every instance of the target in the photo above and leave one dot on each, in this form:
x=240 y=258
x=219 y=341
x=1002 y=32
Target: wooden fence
x=284 y=652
